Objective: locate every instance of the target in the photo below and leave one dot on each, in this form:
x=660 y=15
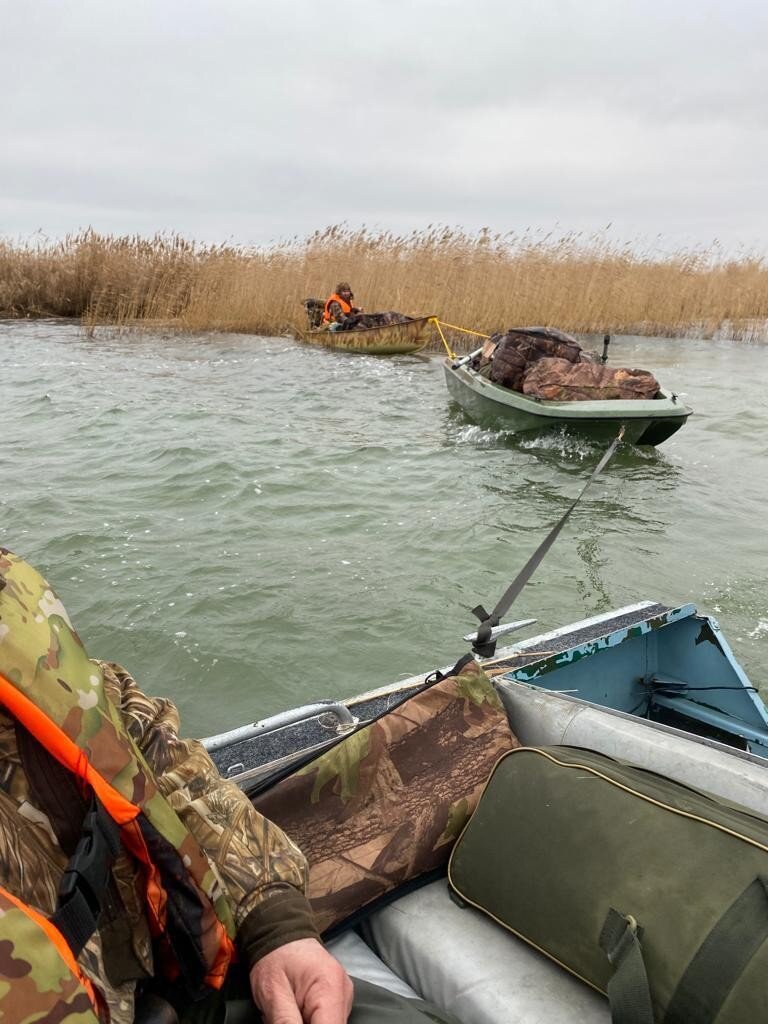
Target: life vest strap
x=86 y=878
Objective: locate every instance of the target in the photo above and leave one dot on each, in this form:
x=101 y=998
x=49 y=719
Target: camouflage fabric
x=337 y=314
x=254 y=867
x=517 y=350
x=360 y=321
x=37 y=986
x=314 y=309
x=43 y=661
x=386 y=804
x=557 y=380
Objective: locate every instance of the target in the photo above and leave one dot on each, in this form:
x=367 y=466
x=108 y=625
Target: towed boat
x=652 y=685
x=645 y=421
x=387 y=340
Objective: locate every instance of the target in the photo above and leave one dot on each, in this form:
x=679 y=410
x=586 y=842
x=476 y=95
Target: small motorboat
x=645 y=421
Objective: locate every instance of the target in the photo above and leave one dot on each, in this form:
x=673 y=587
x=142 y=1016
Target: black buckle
x=86 y=876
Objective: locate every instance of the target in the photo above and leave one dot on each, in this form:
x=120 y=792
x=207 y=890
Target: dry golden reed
x=483 y=281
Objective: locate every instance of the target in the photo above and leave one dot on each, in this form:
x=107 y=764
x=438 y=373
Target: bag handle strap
x=722 y=957
x=711 y=974
x=628 y=990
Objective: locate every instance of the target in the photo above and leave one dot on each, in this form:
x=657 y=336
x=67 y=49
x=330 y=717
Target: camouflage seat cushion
x=386 y=804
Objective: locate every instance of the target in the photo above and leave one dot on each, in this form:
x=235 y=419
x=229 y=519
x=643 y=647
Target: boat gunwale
x=605 y=628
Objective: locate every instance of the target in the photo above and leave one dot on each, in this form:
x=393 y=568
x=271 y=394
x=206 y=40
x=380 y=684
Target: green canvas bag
x=653 y=893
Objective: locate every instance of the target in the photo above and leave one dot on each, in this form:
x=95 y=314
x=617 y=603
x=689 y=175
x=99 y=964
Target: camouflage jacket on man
x=337 y=314
x=263 y=874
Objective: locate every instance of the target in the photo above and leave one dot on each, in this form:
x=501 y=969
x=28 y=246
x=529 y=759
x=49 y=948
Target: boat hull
x=390 y=340
x=645 y=422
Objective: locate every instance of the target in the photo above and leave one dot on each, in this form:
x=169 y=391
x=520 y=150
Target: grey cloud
x=253 y=119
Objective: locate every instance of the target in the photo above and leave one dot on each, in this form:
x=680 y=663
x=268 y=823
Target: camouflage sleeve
x=262 y=871
x=335 y=313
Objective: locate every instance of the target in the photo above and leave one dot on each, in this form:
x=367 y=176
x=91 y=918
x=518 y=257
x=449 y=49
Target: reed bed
x=488 y=282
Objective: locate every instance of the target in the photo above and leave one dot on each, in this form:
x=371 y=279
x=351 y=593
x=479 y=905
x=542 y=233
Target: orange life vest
x=43 y=979
x=48 y=683
x=346 y=308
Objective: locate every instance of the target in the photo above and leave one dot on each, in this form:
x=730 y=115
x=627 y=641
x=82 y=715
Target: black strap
x=437 y=676
x=721 y=959
x=483 y=645
x=86 y=878
x=628 y=991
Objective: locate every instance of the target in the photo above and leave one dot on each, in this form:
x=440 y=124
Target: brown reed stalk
x=584 y=284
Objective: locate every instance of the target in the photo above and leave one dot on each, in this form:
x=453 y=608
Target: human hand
x=301 y=982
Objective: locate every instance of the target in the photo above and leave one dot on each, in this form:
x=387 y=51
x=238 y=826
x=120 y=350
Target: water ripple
x=248 y=523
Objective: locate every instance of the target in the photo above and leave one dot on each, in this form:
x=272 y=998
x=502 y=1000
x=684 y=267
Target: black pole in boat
x=606 y=343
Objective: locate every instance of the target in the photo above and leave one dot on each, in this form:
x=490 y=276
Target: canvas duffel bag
x=652 y=892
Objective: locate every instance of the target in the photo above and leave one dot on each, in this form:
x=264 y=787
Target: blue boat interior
x=674 y=667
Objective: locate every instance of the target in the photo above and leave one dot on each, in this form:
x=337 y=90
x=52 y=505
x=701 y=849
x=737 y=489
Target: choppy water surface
x=247 y=523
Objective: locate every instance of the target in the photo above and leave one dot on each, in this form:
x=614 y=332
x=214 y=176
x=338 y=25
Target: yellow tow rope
x=439 y=324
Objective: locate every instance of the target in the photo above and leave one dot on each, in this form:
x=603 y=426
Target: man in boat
x=78 y=739
x=131 y=873
x=339 y=313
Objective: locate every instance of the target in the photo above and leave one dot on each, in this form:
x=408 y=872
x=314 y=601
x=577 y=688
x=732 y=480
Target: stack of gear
x=314 y=309
x=512 y=353
x=551 y=365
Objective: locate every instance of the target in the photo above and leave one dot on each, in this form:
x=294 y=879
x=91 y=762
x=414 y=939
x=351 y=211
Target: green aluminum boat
x=645 y=421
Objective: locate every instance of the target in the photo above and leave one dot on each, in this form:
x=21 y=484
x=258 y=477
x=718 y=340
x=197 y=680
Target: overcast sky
x=251 y=121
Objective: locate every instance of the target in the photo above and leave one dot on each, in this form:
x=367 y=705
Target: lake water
x=247 y=524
